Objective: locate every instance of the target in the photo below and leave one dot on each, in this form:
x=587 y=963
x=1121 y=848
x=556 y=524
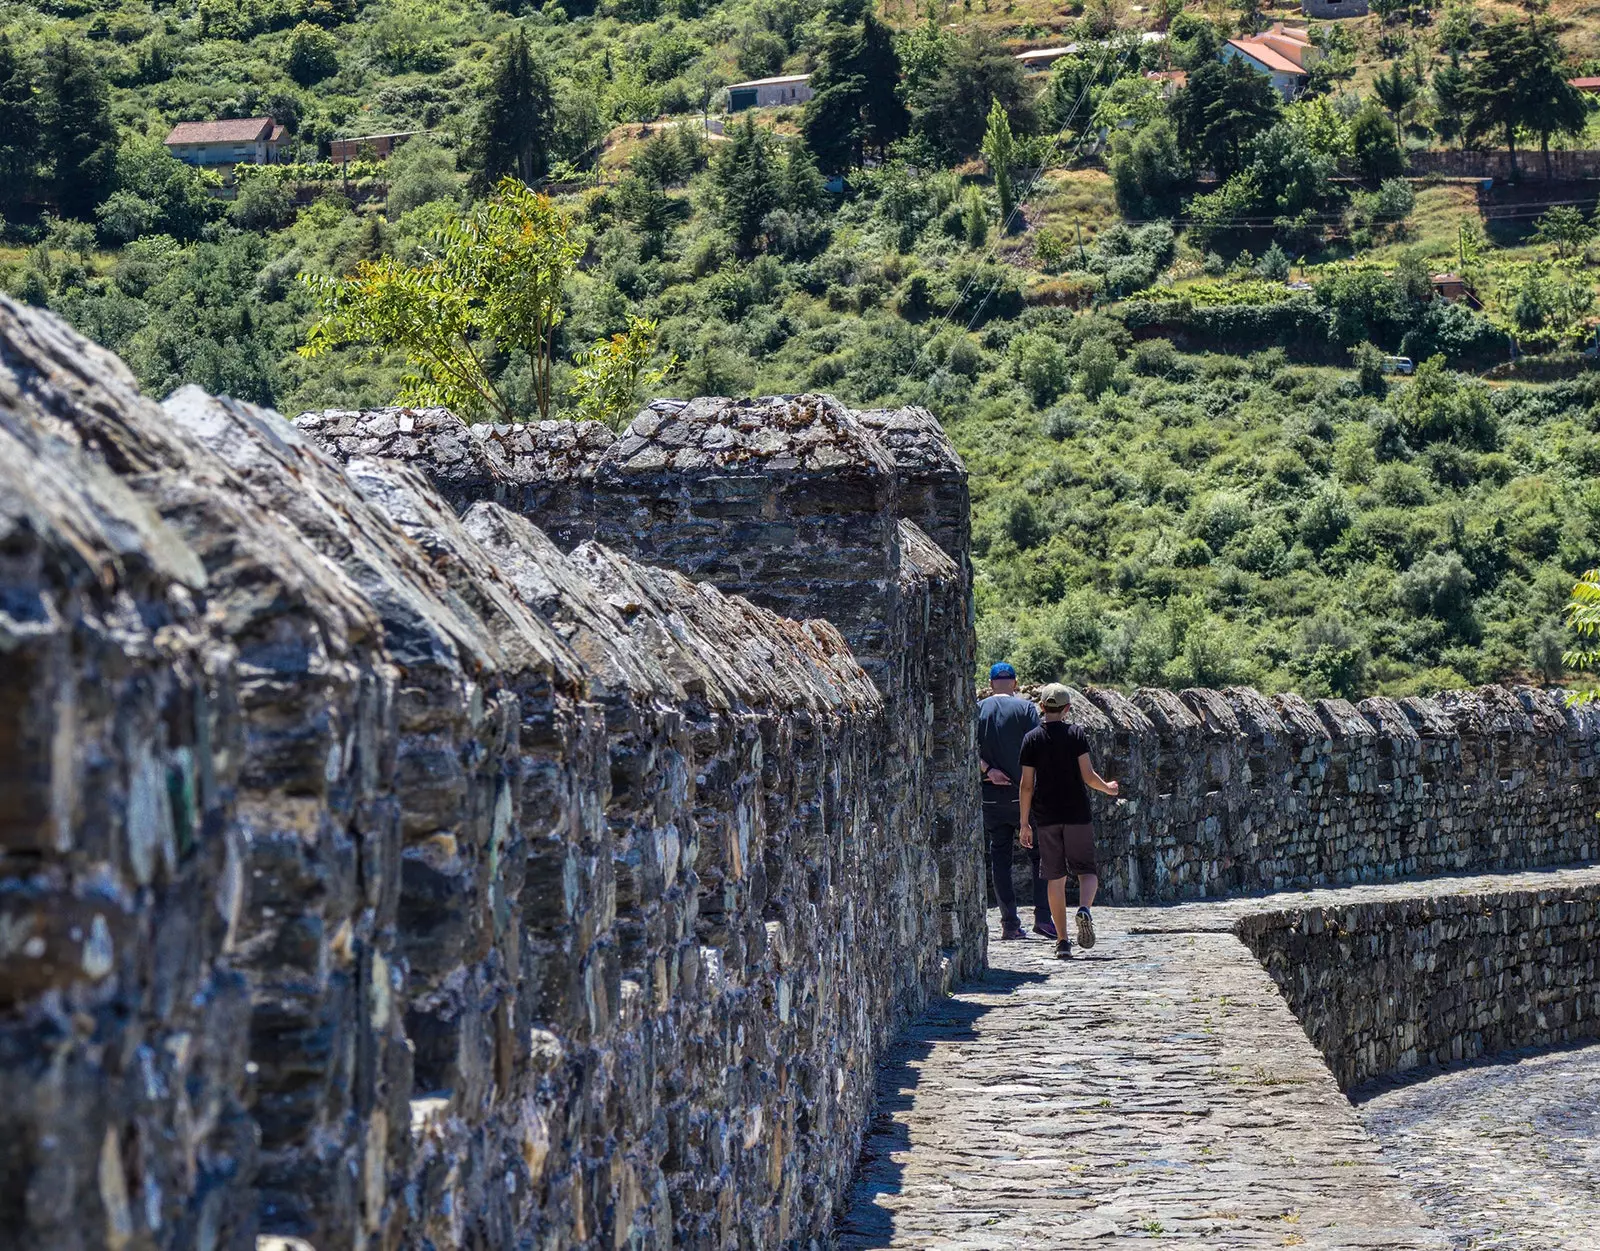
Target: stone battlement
x=379 y=870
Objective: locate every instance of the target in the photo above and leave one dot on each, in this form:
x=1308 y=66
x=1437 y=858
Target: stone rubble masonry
x=1229 y=792
x=380 y=871
x=1457 y=976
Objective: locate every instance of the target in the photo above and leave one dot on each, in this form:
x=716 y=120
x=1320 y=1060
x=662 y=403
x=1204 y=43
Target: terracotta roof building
x=228 y=141
x=1283 y=53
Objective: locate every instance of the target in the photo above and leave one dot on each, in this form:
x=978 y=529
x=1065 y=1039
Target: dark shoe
x=1012 y=932
x=1085 y=929
x=1064 y=949
x=1046 y=929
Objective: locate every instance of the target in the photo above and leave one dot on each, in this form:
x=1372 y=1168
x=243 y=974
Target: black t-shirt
x=1059 y=795
x=1003 y=722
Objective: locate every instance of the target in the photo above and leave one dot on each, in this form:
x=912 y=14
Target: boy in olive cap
x=1056 y=777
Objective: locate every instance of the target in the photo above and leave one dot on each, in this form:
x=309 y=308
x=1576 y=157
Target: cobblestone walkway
x=1502 y=1154
x=1155 y=1088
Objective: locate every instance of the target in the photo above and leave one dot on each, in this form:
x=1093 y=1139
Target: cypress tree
x=515 y=122
x=19 y=124
x=76 y=129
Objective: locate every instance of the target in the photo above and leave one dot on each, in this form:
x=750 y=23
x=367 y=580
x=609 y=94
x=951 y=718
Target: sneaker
x=1064 y=949
x=1045 y=929
x=1085 y=929
x=1012 y=932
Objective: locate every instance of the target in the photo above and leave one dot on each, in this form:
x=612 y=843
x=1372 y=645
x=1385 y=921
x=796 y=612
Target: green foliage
x=950 y=111
x=420 y=172
x=1583 y=618
x=1149 y=170
x=999 y=149
x=313 y=54
x=855 y=108
x=518 y=112
x=610 y=373
x=1518 y=84
x=493 y=281
x=1224 y=106
x=76 y=134
x=1564 y=227
x=1374 y=145
x=744 y=177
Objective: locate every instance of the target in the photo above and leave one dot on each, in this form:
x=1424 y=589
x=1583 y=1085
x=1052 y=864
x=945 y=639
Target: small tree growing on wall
x=490 y=284
x=612 y=370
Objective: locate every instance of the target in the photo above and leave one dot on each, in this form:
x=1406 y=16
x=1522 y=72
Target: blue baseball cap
x=1001 y=670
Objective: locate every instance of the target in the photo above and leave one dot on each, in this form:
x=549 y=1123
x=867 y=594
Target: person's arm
x=1025 y=832
x=1093 y=780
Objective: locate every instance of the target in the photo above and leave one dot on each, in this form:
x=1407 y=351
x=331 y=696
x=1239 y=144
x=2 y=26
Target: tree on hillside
x=1519 y=82
x=1373 y=146
x=1564 y=227
x=1224 y=107
x=19 y=124
x=515 y=122
x=1395 y=90
x=1449 y=90
x=313 y=54
x=744 y=174
x=75 y=128
x=489 y=285
x=854 y=110
x=1000 y=150
x=951 y=111
x=1192 y=40
x=1149 y=171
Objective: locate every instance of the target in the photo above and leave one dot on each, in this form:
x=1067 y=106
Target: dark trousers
x=1002 y=832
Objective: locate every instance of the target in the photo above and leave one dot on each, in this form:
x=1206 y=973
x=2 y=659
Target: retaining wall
x=1385 y=987
x=375 y=871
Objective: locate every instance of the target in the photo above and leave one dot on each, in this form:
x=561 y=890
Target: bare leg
x=1088 y=883
x=1058 y=905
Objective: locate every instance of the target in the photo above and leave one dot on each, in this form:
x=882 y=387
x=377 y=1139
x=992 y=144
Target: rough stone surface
x=807 y=508
x=1231 y=792
x=1503 y=1154
x=1385 y=987
x=1156 y=1086
x=378 y=873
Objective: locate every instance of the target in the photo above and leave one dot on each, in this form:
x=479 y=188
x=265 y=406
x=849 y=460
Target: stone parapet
x=1389 y=986
x=1227 y=792
x=377 y=871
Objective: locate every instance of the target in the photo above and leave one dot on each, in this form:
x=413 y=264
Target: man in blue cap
x=1004 y=720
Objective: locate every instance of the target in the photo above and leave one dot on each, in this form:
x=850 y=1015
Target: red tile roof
x=1584 y=84
x=1263 y=55
x=229 y=130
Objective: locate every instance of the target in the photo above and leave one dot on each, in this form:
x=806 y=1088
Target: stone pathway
x=1154 y=1088
x=1502 y=1154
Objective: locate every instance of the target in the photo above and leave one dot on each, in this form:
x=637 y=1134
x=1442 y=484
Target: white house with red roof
x=230 y=141
x=1285 y=54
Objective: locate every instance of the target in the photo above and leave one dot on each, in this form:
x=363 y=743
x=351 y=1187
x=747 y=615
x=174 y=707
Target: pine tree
x=1519 y=82
x=1449 y=99
x=746 y=185
x=19 y=124
x=76 y=129
x=516 y=119
x=1222 y=109
x=855 y=109
x=1394 y=91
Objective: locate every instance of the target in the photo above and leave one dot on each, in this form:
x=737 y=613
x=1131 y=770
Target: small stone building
x=1334 y=8
x=769 y=93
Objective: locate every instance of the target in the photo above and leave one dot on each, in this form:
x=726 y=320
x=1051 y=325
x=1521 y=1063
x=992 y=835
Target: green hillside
x=1163 y=367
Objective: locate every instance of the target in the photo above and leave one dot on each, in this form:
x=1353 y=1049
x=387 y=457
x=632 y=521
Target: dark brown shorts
x=1064 y=849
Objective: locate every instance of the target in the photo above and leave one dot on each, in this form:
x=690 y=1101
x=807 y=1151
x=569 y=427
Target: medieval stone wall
x=1385 y=987
x=379 y=870
x=1228 y=792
